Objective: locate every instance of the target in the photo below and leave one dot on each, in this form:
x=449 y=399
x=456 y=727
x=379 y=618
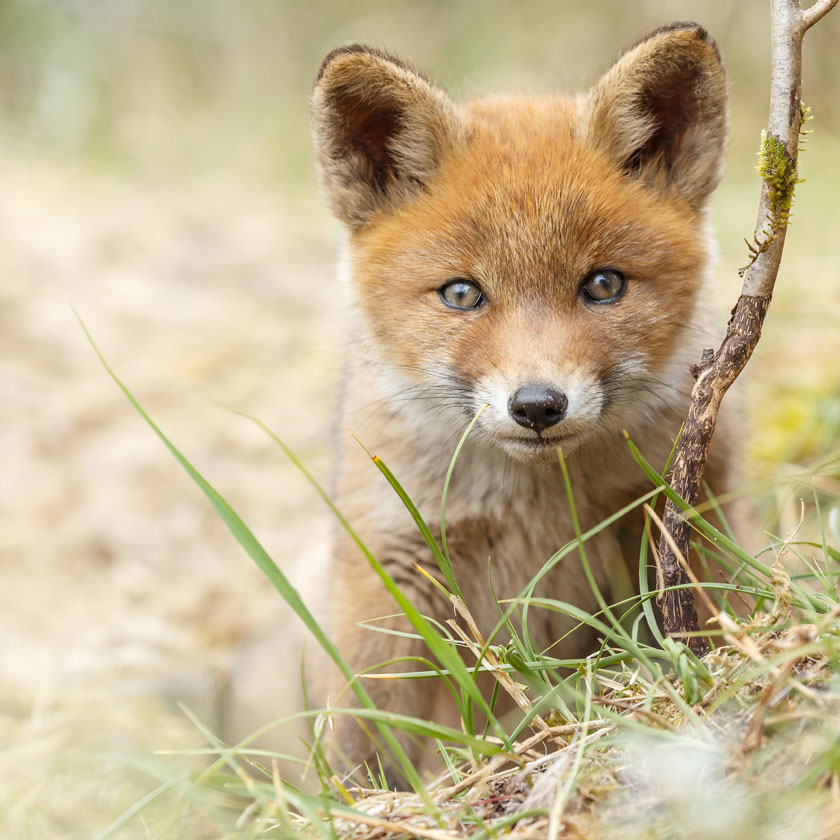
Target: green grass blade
x=249 y=542
x=716 y=536
x=442 y=649
x=587 y=568
x=446 y=568
x=127 y=816
x=644 y=589
x=441 y=560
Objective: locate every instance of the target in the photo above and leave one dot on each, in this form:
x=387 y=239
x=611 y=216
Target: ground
x=120 y=590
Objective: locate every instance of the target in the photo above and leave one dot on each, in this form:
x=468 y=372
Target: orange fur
x=524 y=197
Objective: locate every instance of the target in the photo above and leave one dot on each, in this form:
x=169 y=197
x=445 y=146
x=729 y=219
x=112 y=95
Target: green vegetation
x=778 y=171
x=635 y=741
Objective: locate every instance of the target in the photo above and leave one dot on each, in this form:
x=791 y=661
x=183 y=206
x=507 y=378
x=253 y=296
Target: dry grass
x=637 y=741
x=757 y=757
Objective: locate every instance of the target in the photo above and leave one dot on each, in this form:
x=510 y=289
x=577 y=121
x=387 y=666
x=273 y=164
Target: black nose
x=537 y=407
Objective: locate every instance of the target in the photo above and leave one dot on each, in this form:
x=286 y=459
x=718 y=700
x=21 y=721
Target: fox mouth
x=539 y=445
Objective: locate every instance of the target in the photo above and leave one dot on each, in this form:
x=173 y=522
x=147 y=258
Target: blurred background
x=155 y=174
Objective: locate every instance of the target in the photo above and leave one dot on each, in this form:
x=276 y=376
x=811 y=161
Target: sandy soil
x=120 y=589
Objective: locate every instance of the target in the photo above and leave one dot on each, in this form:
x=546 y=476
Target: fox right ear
x=660 y=112
x=380 y=131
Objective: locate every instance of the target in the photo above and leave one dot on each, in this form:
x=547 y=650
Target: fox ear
x=379 y=129
x=660 y=112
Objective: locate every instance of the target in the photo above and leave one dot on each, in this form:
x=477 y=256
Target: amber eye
x=461 y=293
x=604 y=285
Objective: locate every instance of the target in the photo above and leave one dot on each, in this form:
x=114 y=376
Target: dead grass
x=758 y=758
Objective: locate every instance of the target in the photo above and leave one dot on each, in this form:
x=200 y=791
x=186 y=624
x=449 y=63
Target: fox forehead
x=526 y=205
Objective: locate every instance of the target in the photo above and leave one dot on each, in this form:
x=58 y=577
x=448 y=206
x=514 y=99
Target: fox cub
x=542 y=256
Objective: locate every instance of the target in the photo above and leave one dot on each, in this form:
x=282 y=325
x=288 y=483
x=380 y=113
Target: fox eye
x=461 y=293
x=604 y=285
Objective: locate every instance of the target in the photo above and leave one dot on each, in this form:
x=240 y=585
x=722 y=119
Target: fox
x=535 y=264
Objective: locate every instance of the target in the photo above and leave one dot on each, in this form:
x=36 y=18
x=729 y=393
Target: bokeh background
x=155 y=174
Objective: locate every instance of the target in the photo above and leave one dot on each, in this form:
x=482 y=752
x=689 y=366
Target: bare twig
x=717 y=371
x=817 y=12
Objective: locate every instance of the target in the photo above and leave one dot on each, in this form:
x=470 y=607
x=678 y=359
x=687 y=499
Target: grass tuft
x=640 y=739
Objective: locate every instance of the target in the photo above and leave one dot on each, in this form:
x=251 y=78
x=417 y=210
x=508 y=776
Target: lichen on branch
x=778 y=170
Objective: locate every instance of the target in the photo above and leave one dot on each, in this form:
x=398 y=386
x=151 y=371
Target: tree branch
x=816 y=12
x=717 y=371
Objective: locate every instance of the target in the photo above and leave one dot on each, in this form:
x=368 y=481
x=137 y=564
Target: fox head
x=542 y=256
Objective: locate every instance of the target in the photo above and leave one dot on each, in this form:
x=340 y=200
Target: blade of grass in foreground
x=258 y=554
x=127 y=816
x=440 y=553
x=424 y=529
x=445 y=653
x=718 y=537
x=447 y=567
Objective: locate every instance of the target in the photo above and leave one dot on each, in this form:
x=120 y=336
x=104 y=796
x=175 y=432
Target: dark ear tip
x=356 y=49
x=700 y=32
x=348 y=49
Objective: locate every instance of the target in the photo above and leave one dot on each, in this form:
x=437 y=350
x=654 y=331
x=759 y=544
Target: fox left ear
x=380 y=131
x=660 y=112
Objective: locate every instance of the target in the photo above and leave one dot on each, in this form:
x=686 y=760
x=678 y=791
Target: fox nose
x=537 y=407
